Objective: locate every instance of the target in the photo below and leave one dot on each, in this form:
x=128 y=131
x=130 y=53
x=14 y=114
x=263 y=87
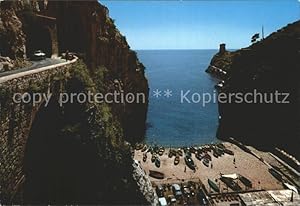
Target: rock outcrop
x=95 y=158
x=270 y=65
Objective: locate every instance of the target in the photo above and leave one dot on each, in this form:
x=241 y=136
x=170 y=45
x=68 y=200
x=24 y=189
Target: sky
x=200 y=24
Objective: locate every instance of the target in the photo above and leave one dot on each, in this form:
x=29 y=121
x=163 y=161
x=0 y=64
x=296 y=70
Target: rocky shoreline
x=268 y=65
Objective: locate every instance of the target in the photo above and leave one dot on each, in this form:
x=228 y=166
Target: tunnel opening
x=38 y=38
x=38 y=33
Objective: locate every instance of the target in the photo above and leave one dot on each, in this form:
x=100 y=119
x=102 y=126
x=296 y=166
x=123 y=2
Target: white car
x=39 y=55
x=162 y=201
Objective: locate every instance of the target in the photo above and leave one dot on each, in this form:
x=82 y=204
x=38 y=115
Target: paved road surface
x=35 y=65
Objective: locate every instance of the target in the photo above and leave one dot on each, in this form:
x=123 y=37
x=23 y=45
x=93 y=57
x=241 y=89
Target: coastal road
x=35 y=65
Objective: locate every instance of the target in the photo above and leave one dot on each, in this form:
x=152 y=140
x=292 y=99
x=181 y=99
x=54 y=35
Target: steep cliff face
x=93 y=163
x=270 y=65
x=86 y=28
x=12 y=38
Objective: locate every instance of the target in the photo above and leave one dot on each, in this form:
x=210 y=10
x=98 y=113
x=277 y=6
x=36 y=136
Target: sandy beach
x=245 y=164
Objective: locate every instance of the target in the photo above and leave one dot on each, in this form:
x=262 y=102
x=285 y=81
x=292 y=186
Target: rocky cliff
x=92 y=161
x=270 y=65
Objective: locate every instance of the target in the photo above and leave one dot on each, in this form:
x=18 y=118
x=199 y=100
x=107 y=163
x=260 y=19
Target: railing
x=34 y=71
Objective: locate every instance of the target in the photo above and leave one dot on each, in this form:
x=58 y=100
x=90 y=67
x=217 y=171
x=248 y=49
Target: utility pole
x=263 y=33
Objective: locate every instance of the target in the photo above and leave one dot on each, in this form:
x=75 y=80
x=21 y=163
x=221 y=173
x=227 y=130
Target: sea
x=177 y=114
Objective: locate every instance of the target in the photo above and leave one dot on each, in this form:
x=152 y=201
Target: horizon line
x=155 y=49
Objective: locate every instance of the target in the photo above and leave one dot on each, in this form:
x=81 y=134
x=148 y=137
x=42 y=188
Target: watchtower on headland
x=222 y=49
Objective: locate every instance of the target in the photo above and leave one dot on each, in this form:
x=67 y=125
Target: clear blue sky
x=199 y=24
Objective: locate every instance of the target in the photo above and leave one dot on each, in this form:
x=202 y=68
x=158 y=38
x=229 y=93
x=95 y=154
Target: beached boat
x=228 y=151
x=199 y=156
x=176 y=160
x=215 y=154
x=153 y=157
x=156 y=174
x=231 y=184
x=161 y=151
x=213 y=185
x=221 y=146
x=193 y=149
x=275 y=173
x=189 y=162
x=144 y=157
x=157 y=162
x=179 y=152
x=206 y=162
x=150 y=149
x=144 y=148
x=245 y=181
x=207 y=156
x=171 y=153
x=139 y=146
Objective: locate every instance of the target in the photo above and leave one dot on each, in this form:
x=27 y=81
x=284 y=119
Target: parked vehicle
x=176 y=190
x=162 y=201
x=172 y=199
x=186 y=191
x=159 y=191
x=39 y=55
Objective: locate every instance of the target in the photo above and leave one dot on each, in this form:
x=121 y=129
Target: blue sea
x=172 y=122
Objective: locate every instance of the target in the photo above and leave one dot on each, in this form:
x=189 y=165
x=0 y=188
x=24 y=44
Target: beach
x=241 y=163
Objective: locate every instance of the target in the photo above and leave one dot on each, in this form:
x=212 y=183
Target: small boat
x=231 y=184
x=176 y=160
x=189 y=162
x=144 y=157
x=153 y=157
x=139 y=146
x=188 y=153
x=161 y=151
x=157 y=162
x=221 y=146
x=171 y=153
x=228 y=151
x=150 y=150
x=179 y=152
x=144 y=148
x=199 y=156
x=193 y=149
x=206 y=162
x=275 y=173
x=213 y=185
x=207 y=156
x=215 y=153
x=156 y=174
x=245 y=181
